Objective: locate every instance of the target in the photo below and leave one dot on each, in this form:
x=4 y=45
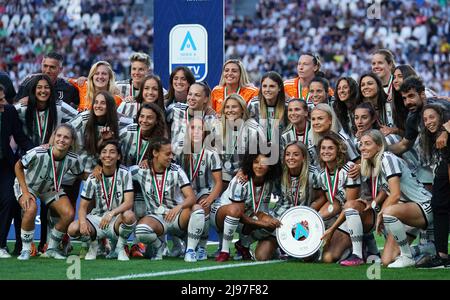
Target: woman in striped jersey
x=204 y=169
x=39 y=174
x=112 y=216
x=337 y=188
x=101 y=122
x=299 y=127
x=92 y=126
x=170 y=201
x=299 y=181
x=269 y=108
x=197 y=105
x=346 y=100
x=180 y=81
x=434 y=119
x=246 y=204
x=407 y=207
x=371 y=90
x=239 y=134
x=39 y=117
x=323 y=121
x=150 y=91
x=383 y=64
x=134 y=141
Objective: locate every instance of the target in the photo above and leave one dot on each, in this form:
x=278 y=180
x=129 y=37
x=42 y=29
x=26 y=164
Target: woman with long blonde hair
x=234 y=79
x=101 y=78
x=407 y=202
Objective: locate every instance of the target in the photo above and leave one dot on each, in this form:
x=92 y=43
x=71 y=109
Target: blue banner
x=189 y=33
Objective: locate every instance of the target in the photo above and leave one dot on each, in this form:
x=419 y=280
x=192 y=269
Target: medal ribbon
x=374 y=185
x=332 y=183
x=253 y=195
x=41 y=131
x=296 y=191
x=140 y=150
x=57 y=176
x=194 y=168
x=305 y=133
x=225 y=92
x=159 y=188
x=111 y=190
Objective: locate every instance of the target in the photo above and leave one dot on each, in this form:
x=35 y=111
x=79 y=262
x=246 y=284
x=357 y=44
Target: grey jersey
x=238 y=191
x=129 y=109
x=129 y=144
x=64 y=113
x=411 y=189
x=344 y=182
x=126 y=88
x=95 y=190
x=180 y=125
x=210 y=163
x=272 y=126
x=89 y=161
x=236 y=143
x=352 y=151
x=176 y=179
x=39 y=171
x=288 y=193
x=290 y=135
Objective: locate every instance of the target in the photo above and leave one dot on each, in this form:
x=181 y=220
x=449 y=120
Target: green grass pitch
x=176 y=269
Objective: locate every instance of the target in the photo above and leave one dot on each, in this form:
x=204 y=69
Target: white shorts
x=139 y=206
x=109 y=232
x=173 y=227
x=427 y=213
x=47 y=198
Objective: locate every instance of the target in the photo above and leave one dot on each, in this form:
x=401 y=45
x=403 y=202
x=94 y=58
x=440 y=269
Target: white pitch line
x=183 y=271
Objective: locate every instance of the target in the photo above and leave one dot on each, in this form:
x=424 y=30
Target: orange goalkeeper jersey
x=291 y=88
x=85 y=103
x=218 y=95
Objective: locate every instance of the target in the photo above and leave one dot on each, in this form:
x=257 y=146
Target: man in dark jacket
x=10 y=126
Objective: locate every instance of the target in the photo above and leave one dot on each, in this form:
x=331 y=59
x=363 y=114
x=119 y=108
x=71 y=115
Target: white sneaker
x=202 y=254
x=92 y=252
x=402 y=261
x=122 y=255
x=24 y=255
x=190 y=256
x=53 y=253
x=4 y=253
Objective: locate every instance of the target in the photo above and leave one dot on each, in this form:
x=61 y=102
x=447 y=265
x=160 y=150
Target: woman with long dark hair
x=346 y=100
x=269 y=108
x=434 y=119
x=150 y=91
x=246 y=203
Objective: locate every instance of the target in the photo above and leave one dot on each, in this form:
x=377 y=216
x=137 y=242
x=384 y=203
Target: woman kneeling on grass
x=112 y=216
x=407 y=208
x=39 y=174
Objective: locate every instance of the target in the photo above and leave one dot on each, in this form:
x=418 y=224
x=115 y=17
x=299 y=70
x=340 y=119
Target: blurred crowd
x=82 y=31
x=342 y=32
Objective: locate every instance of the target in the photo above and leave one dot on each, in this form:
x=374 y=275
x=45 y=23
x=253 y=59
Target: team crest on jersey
x=60 y=95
